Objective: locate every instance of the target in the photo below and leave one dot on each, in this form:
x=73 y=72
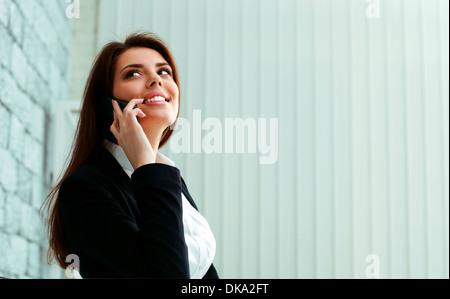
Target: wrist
x=143 y=162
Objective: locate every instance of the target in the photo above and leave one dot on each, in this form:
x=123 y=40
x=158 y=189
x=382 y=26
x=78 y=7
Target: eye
x=165 y=71
x=132 y=73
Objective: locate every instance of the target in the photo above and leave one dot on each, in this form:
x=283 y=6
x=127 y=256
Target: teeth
x=155 y=99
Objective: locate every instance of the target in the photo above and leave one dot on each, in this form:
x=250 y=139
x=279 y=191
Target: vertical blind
x=357 y=92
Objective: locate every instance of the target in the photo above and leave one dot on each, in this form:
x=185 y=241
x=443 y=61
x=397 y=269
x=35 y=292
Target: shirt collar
x=121 y=157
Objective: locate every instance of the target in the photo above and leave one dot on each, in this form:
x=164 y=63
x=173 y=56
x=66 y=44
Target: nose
x=155 y=79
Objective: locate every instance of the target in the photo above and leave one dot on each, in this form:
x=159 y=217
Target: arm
x=95 y=220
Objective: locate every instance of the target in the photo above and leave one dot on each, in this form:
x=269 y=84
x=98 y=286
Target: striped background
x=362 y=109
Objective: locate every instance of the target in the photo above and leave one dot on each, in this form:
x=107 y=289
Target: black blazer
x=122 y=227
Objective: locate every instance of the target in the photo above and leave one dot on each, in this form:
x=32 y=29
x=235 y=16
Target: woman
x=121 y=206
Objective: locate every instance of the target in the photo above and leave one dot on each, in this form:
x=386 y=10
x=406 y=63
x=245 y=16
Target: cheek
x=174 y=91
x=175 y=96
x=121 y=91
x=175 y=110
x=127 y=90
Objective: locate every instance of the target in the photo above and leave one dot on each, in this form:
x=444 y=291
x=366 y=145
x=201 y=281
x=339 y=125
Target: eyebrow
x=159 y=64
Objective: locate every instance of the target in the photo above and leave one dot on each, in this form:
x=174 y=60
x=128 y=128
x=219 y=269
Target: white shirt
x=197 y=233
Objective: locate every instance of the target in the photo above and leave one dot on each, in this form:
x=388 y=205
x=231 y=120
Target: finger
x=134 y=114
x=131 y=104
x=117 y=112
x=138 y=112
x=113 y=128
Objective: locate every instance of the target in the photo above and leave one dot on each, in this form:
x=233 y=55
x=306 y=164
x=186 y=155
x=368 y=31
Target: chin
x=149 y=121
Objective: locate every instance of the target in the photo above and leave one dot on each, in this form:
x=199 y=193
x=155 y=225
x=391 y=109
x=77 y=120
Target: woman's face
x=142 y=73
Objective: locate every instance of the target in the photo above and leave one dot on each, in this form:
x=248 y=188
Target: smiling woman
x=145 y=74
x=121 y=207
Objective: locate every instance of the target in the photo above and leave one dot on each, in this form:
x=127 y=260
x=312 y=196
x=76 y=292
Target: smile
x=157 y=99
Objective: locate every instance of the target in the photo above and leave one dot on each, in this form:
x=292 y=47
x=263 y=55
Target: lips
x=155 y=99
x=155 y=96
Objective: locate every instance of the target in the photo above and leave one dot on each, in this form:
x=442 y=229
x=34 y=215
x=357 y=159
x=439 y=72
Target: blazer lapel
x=186 y=193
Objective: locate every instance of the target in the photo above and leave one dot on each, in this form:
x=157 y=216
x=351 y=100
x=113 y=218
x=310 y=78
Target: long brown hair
x=92 y=127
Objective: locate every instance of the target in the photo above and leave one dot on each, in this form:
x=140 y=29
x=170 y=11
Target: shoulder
x=94 y=176
x=86 y=173
x=90 y=171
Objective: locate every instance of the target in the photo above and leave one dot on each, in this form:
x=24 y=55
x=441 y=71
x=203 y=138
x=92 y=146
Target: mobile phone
x=110 y=109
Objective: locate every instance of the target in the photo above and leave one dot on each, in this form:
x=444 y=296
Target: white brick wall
x=35 y=50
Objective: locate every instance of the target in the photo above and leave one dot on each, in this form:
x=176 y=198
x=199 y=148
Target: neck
x=154 y=137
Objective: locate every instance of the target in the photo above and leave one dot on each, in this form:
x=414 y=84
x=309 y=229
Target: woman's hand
x=130 y=135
